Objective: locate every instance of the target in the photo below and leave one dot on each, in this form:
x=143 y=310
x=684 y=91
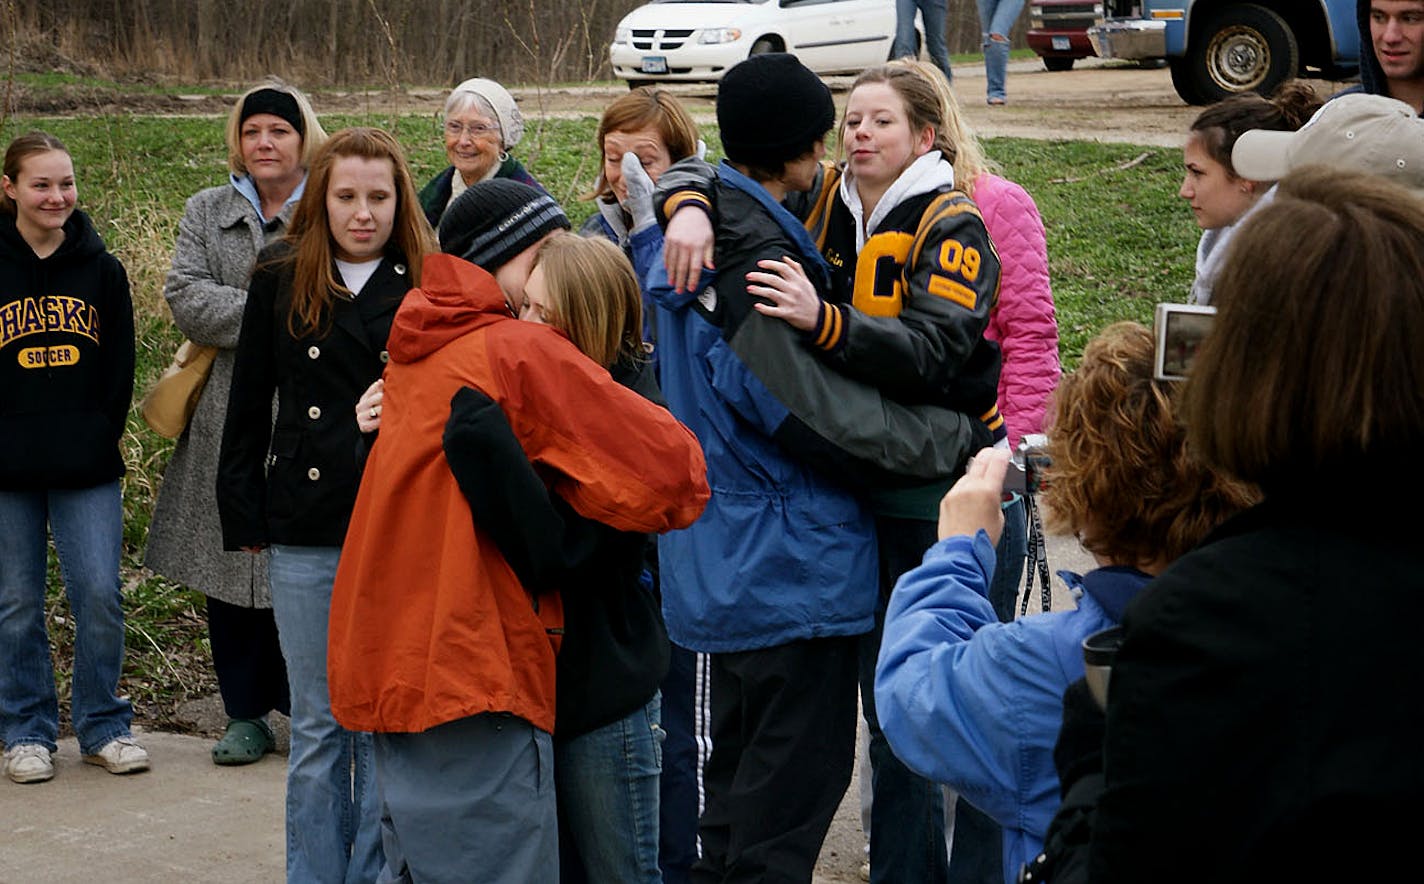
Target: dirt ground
x=1097 y=101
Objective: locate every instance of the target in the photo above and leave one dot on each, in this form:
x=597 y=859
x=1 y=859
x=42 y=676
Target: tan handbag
x=169 y=405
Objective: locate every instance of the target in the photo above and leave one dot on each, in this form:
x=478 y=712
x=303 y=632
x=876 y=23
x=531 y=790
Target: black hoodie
x=66 y=360
x=1371 y=74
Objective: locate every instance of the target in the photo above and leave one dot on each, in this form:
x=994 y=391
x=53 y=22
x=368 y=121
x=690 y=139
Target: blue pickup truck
x=1217 y=48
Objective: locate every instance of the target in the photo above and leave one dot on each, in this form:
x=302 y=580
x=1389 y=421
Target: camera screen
x=1180 y=329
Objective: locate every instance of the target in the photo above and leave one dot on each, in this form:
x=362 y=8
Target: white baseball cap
x=1359 y=132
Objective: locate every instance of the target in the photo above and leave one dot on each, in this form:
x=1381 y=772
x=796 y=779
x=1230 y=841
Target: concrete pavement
x=186 y=820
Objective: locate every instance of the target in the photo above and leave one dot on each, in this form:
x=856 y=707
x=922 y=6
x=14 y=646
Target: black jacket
x=1262 y=716
x=66 y=360
x=312 y=468
x=615 y=647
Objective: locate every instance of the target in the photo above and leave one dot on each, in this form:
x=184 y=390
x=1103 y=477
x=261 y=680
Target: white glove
x=639 y=202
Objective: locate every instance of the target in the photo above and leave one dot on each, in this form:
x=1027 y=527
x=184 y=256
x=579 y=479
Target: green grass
x=1119 y=241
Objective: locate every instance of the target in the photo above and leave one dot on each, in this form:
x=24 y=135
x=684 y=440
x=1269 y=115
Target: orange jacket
x=428 y=622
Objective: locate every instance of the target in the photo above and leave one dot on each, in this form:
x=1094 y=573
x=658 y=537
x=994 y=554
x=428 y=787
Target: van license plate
x=654 y=64
x=1060 y=44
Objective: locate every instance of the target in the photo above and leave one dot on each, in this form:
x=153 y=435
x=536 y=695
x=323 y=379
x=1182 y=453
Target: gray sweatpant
x=469 y=800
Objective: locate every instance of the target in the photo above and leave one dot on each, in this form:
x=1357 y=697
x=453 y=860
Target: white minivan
x=691 y=40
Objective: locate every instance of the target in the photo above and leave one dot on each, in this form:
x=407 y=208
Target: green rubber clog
x=246 y=740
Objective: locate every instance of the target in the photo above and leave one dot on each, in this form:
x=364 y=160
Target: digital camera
x=1179 y=329
x=1026 y=468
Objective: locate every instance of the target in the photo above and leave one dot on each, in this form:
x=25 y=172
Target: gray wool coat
x=218 y=241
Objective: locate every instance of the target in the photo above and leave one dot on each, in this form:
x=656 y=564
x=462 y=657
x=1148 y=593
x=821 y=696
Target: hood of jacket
x=81 y=241
x=1371 y=74
x=454 y=298
x=926 y=174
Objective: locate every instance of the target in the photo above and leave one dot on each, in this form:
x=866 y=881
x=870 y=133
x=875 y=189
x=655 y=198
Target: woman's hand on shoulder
x=793 y=297
x=688 y=244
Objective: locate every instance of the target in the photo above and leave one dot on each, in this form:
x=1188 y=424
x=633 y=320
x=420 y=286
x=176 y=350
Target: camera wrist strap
x=1037 y=559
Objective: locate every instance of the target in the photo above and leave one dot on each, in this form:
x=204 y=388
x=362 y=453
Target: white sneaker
x=865 y=871
x=120 y=755
x=28 y=763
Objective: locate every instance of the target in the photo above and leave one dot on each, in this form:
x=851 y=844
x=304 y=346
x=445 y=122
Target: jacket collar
x=1111 y=587
x=924 y=175
x=247 y=188
x=815 y=265
x=381 y=296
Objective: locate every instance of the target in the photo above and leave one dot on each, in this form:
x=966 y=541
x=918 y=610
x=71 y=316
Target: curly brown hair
x=1123 y=478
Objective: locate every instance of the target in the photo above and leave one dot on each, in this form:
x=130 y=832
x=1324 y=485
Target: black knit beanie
x=275 y=102
x=495 y=220
x=771 y=109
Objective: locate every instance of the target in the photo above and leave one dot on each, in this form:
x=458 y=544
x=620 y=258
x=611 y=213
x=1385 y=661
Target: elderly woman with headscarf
x=481 y=124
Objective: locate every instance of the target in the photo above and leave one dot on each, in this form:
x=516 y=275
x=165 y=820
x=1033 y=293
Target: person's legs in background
x=996 y=19
x=1009 y=556
x=333 y=811
x=904 y=29
x=976 y=851
x=252 y=678
x=679 y=805
x=934 y=14
x=907 y=812
x=783 y=749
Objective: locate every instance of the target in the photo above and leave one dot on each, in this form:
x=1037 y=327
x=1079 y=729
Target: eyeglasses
x=454 y=129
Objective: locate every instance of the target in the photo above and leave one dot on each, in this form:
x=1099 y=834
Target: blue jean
x=333 y=807
x=933 y=14
x=607 y=782
x=906 y=811
x=996 y=19
x=1009 y=558
x=87 y=525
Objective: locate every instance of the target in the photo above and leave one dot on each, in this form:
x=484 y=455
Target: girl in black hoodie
x=66 y=379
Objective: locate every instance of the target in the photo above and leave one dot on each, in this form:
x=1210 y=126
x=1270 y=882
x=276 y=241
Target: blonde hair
x=930 y=102
x=593 y=297
x=313 y=135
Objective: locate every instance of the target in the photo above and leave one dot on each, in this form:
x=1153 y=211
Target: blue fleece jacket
x=974 y=703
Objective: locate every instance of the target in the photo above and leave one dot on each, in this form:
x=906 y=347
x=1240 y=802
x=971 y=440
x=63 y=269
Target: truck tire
x=1058 y=63
x=1240 y=48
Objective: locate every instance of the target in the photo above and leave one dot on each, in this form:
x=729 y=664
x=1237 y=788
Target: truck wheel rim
x=1238 y=59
